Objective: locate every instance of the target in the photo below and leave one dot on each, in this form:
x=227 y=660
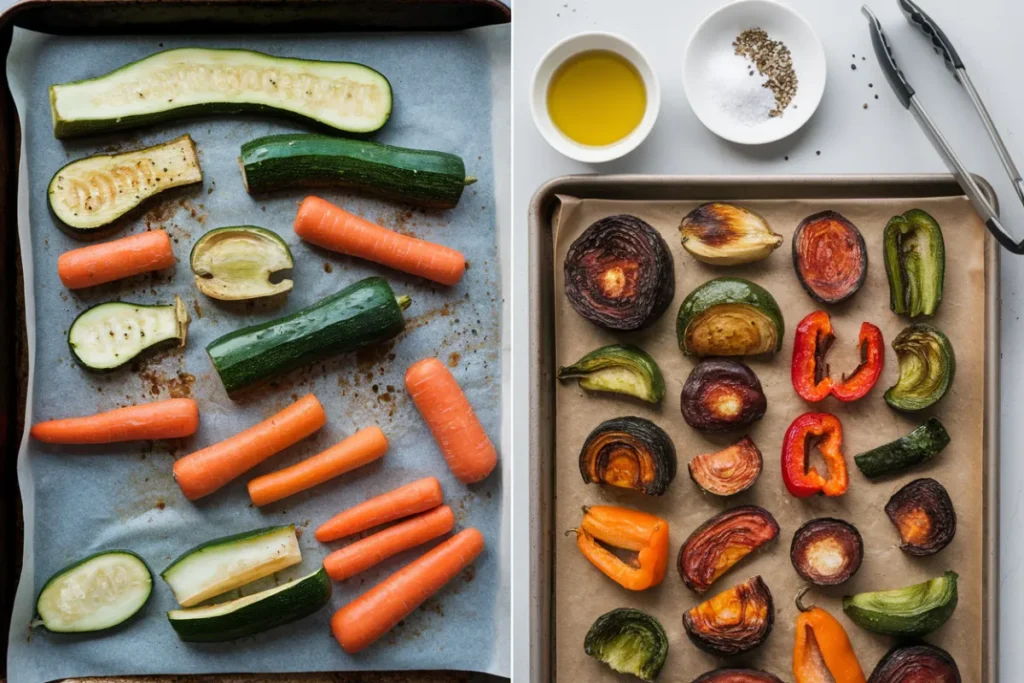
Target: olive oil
x=597 y=98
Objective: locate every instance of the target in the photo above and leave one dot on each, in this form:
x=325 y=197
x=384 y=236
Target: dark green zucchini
x=618 y=369
x=253 y=613
x=362 y=314
x=905 y=612
x=421 y=177
x=629 y=641
x=729 y=316
x=920 y=445
x=192 y=81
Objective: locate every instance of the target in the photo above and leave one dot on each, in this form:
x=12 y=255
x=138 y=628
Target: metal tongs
x=905 y=93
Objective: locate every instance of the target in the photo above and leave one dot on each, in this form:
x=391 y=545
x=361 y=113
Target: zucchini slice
x=908 y=612
x=91 y=193
x=421 y=177
x=184 y=82
x=111 y=334
x=224 y=564
x=364 y=313
x=236 y=263
x=95 y=593
x=253 y=613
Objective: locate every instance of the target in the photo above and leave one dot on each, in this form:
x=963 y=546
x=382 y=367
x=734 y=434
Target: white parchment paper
x=451 y=94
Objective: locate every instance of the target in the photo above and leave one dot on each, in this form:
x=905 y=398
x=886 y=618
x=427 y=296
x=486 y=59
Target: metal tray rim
x=541 y=379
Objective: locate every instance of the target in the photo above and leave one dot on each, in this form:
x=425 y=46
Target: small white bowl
x=716 y=34
x=556 y=56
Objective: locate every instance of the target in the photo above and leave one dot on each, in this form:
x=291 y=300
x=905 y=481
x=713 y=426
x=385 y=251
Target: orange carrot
x=203 y=472
x=446 y=410
x=362 y=621
x=361 y=448
x=171 y=419
x=109 y=261
x=367 y=552
x=331 y=227
x=417 y=496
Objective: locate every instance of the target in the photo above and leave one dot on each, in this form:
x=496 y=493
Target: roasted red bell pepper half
x=810 y=372
x=803 y=480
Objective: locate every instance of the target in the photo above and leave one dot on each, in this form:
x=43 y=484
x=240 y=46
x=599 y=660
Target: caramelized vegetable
x=630 y=453
x=737 y=676
x=629 y=641
x=920 y=445
x=722 y=394
x=618 y=369
x=822 y=651
x=830 y=257
x=721 y=542
x=826 y=551
x=923 y=514
x=905 y=612
x=803 y=480
x=730 y=470
x=734 y=621
x=619 y=273
x=726 y=235
x=638 y=532
x=927 y=365
x=915 y=263
x=729 y=316
x=920 y=663
x=810 y=372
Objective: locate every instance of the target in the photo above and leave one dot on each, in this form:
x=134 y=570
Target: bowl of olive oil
x=594 y=97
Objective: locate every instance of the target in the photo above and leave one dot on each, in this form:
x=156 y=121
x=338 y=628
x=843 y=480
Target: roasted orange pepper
x=644 y=534
x=822 y=651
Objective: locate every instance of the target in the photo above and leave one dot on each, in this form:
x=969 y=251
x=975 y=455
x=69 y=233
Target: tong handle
x=883 y=50
x=917 y=16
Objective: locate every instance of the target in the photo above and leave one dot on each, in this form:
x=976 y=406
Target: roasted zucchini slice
x=729 y=316
x=920 y=445
x=927 y=366
x=905 y=612
x=109 y=335
x=629 y=641
x=618 y=369
x=238 y=262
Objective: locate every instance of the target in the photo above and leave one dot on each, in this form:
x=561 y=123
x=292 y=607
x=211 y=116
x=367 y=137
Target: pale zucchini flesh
x=91 y=193
x=109 y=335
x=224 y=564
x=96 y=593
x=237 y=263
x=196 y=81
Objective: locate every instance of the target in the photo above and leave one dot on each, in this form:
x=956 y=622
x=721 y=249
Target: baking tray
x=135 y=17
x=542 y=380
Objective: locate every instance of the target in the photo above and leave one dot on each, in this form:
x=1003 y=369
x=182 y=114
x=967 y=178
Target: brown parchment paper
x=582 y=593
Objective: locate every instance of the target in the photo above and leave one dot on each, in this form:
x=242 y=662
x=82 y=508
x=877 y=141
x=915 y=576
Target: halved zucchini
x=111 y=334
x=253 y=613
x=236 y=263
x=91 y=193
x=95 y=593
x=197 y=81
x=226 y=563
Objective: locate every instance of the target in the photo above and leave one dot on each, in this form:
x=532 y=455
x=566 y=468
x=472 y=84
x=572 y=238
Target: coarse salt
x=741 y=96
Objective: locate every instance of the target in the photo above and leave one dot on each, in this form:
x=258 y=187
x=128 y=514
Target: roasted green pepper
x=915 y=263
x=629 y=641
x=920 y=445
x=905 y=612
x=927 y=365
x=618 y=369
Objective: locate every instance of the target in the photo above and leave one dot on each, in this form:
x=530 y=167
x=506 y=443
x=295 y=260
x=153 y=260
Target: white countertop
x=883 y=138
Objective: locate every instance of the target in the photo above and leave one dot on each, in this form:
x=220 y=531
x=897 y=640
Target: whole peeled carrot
x=470 y=454
x=363 y=447
x=171 y=419
x=367 y=552
x=203 y=472
x=414 y=497
x=331 y=227
x=362 y=621
x=109 y=261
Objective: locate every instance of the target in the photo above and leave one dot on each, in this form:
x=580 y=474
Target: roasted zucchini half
x=239 y=262
x=618 y=369
x=111 y=334
x=927 y=366
x=908 y=612
x=729 y=316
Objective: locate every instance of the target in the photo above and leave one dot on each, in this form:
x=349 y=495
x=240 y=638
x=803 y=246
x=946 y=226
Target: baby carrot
x=109 y=261
x=446 y=410
x=171 y=419
x=331 y=227
x=359 y=623
x=363 y=447
x=414 y=497
x=203 y=472
x=367 y=552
